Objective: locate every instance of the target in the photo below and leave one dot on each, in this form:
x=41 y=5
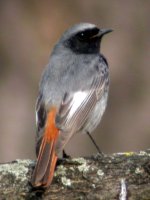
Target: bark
x=118 y=176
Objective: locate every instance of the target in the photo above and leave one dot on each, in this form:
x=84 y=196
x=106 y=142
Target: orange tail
x=46 y=161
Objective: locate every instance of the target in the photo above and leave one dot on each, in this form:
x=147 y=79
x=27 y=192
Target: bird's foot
x=62 y=160
x=66 y=155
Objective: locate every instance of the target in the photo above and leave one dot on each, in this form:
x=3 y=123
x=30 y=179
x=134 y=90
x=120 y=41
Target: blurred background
x=28 y=32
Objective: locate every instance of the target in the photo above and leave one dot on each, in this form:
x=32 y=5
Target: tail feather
x=47 y=158
x=47 y=179
x=44 y=170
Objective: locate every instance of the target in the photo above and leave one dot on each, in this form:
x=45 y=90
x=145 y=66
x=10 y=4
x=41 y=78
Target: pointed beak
x=102 y=32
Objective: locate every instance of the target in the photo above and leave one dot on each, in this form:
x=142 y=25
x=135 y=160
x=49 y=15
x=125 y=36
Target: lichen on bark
x=117 y=176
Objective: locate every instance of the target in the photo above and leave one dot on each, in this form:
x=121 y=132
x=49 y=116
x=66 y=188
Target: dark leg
x=60 y=161
x=93 y=141
x=65 y=155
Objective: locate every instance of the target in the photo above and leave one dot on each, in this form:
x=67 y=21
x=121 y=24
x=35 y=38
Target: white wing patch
x=36 y=118
x=77 y=100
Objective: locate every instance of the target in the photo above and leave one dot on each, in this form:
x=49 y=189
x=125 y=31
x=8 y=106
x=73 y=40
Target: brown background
x=28 y=31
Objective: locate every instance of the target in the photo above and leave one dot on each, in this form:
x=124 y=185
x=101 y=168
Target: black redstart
x=72 y=95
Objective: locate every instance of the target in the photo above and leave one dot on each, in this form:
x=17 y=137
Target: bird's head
x=83 y=38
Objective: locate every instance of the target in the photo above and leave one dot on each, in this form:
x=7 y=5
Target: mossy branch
x=118 y=176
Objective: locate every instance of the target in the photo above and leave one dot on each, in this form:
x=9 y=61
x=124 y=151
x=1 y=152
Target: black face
x=85 y=41
x=86 y=35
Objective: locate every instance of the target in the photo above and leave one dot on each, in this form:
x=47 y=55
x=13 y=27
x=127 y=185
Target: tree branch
x=118 y=176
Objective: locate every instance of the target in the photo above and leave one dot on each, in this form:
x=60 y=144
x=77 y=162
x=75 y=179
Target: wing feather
x=75 y=107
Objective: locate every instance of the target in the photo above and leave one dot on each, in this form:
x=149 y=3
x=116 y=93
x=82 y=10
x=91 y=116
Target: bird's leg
x=65 y=155
x=60 y=161
x=93 y=141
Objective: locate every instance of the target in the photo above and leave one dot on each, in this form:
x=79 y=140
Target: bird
x=72 y=97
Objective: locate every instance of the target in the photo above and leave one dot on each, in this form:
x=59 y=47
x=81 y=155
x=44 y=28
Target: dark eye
x=87 y=34
x=82 y=35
